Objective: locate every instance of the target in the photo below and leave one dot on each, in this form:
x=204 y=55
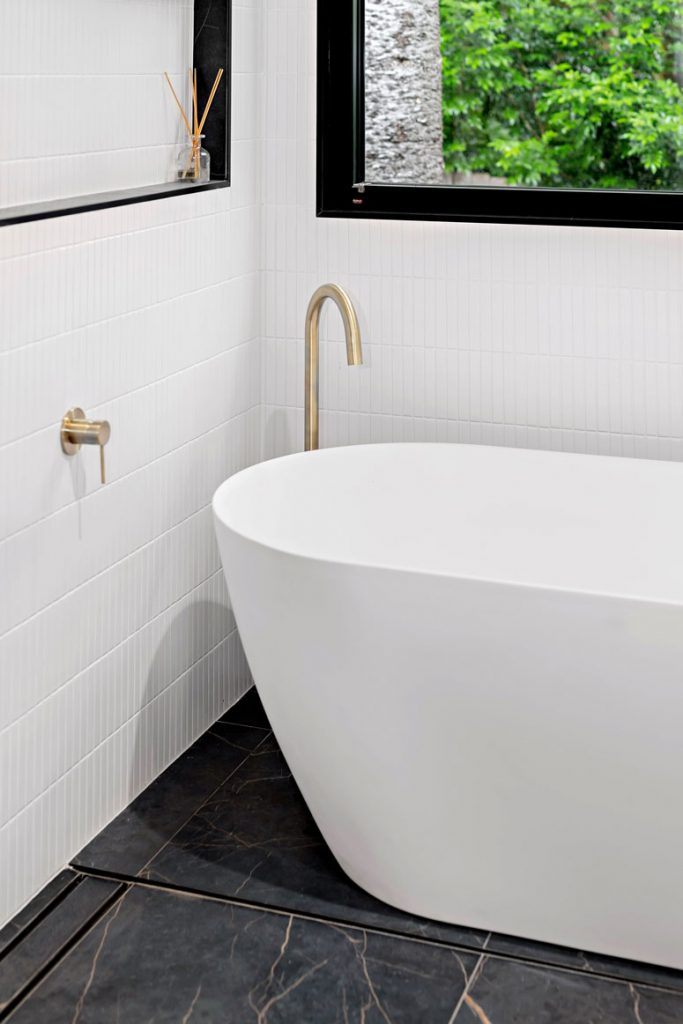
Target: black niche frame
x=341 y=187
x=212 y=49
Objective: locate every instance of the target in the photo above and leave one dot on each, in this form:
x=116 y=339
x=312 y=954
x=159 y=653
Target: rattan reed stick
x=193 y=93
x=179 y=104
x=196 y=141
x=207 y=108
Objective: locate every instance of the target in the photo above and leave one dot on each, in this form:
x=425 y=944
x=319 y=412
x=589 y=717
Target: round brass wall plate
x=70 y=447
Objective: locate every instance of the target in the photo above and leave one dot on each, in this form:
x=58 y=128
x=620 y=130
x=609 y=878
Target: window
x=549 y=111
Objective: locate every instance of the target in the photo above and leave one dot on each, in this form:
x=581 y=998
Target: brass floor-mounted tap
x=354 y=353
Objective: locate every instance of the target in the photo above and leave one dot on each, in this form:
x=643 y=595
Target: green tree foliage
x=565 y=93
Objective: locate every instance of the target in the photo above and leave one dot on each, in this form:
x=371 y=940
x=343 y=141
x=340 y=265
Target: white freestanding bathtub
x=473 y=661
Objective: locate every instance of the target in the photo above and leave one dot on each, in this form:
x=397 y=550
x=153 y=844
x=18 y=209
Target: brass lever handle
x=77 y=430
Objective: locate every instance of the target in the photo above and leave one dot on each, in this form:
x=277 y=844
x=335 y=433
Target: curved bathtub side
x=500 y=757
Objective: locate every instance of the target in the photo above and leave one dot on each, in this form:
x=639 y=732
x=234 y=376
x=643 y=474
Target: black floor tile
x=27 y=917
x=31 y=954
x=164 y=957
x=139 y=832
x=591 y=963
x=227 y=819
x=255 y=839
x=508 y=992
x=248 y=711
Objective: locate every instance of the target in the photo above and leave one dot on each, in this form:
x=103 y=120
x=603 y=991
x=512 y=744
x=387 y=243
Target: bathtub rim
x=501 y=581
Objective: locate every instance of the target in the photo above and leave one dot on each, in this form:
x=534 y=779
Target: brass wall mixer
x=77 y=430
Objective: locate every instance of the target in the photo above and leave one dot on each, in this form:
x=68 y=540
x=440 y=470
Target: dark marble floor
x=213 y=898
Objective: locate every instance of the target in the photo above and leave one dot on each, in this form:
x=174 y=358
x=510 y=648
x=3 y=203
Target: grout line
x=135 y=311
x=102 y=572
x=63 y=950
x=157 y=696
x=121 y=643
x=141 y=547
x=586 y=432
x=223 y=354
x=95 y=238
x=77 y=502
x=176 y=889
x=68 y=155
x=470 y=982
x=200 y=894
x=375 y=345
x=39 y=918
x=70 y=75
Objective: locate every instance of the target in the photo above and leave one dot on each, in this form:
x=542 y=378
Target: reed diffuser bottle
x=193 y=162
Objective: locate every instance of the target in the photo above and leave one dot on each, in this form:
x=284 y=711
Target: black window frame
x=341 y=187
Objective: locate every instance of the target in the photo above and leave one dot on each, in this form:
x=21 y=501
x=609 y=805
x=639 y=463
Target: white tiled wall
x=117 y=644
x=567 y=338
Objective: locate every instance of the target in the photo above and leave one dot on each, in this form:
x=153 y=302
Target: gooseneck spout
x=354 y=353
